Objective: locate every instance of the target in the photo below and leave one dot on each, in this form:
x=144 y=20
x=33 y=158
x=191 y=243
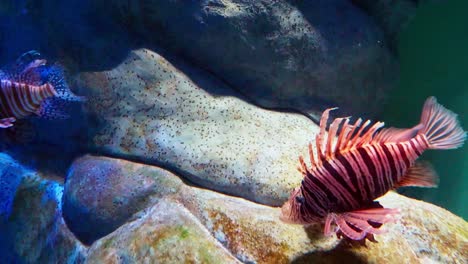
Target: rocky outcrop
x=292 y=54
x=162 y=112
x=101 y=194
x=32 y=229
x=168 y=233
x=210 y=227
x=304 y=55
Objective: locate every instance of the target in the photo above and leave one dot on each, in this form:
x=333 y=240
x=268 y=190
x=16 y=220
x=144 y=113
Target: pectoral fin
x=359 y=224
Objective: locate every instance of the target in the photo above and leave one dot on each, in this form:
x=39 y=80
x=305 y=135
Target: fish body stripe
x=373 y=177
x=20 y=100
x=350 y=180
x=379 y=176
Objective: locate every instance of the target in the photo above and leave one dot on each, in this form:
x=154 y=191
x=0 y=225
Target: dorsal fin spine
x=367 y=137
x=343 y=133
x=303 y=167
x=320 y=138
x=311 y=156
x=349 y=137
x=357 y=137
x=331 y=135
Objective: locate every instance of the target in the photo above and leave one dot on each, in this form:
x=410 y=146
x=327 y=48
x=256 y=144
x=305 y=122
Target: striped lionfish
x=346 y=174
x=29 y=86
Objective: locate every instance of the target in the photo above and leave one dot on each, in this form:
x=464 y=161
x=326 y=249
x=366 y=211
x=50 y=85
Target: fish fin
x=56 y=77
x=393 y=134
x=26 y=58
x=441 y=126
x=359 y=224
x=52 y=108
x=421 y=174
x=348 y=138
x=24 y=69
x=7 y=122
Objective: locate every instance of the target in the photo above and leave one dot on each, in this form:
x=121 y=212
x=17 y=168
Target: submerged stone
x=34 y=231
x=230 y=227
x=162 y=112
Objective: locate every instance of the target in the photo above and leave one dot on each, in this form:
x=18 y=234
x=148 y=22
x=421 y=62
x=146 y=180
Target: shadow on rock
x=340 y=254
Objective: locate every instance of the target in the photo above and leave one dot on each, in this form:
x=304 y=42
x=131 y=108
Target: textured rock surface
x=295 y=54
x=147 y=109
x=32 y=229
x=253 y=232
x=101 y=194
x=166 y=233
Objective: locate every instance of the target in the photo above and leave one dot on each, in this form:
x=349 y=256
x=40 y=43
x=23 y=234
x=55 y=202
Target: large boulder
x=162 y=112
x=304 y=55
x=166 y=233
x=291 y=54
x=102 y=194
x=32 y=229
x=210 y=227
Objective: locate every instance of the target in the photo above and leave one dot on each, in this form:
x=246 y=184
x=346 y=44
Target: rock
x=32 y=229
x=102 y=194
x=166 y=233
x=169 y=114
x=304 y=55
x=292 y=54
x=253 y=233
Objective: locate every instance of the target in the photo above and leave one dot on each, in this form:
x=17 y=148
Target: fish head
x=291 y=209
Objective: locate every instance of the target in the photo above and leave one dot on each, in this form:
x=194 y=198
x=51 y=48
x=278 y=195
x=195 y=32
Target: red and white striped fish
x=30 y=87
x=351 y=169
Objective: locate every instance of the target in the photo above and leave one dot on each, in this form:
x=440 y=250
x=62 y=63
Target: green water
x=433 y=53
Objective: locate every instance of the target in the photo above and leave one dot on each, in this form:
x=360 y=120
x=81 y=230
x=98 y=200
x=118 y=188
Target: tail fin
x=441 y=127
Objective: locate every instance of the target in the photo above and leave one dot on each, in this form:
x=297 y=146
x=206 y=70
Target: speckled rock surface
x=101 y=194
x=165 y=113
x=253 y=233
x=294 y=54
x=165 y=233
x=32 y=230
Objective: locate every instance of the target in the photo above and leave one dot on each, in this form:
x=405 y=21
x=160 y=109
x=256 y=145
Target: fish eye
x=300 y=199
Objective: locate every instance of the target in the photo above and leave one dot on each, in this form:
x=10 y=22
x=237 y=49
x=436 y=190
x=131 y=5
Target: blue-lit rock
x=101 y=194
x=32 y=229
x=189 y=224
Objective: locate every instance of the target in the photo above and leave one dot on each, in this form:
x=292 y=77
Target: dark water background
x=433 y=54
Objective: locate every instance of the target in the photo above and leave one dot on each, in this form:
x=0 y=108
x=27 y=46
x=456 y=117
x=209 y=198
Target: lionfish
x=363 y=162
x=29 y=87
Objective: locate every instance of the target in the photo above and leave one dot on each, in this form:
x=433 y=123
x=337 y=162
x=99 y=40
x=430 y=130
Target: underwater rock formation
x=305 y=55
x=101 y=194
x=292 y=54
x=223 y=161
x=212 y=227
x=165 y=113
x=32 y=229
x=168 y=233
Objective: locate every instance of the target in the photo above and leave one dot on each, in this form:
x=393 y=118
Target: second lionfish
x=347 y=174
x=30 y=87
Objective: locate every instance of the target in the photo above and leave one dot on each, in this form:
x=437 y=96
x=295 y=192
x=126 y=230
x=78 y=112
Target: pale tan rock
x=253 y=233
x=165 y=233
x=164 y=113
